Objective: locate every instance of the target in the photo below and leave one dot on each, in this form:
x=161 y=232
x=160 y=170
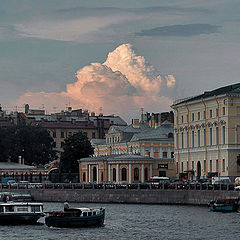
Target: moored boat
x=225 y=205
x=16 y=197
x=76 y=218
x=17 y=213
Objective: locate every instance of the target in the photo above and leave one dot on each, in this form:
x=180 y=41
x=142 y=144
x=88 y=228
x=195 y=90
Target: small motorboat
x=17 y=213
x=225 y=205
x=76 y=218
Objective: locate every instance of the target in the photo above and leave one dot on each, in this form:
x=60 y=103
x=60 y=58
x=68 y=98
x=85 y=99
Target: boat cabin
x=21 y=207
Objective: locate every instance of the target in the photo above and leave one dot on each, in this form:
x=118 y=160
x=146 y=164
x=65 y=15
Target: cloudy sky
x=118 y=56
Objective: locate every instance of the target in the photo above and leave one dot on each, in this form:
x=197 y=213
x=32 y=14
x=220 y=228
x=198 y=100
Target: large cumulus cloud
x=123 y=84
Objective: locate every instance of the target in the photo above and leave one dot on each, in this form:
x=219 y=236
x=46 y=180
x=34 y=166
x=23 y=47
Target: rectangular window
x=93 y=135
x=54 y=134
x=172 y=154
x=187 y=139
x=192 y=165
x=204 y=165
x=198 y=115
x=217 y=165
x=216 y=112
x=223 y=111
x=204 y=137
x=62 y=134
x=204 y=114
x=210 y=113
x=223 y=135
x=192 y=116
x=156 y=154
x=177 y=167
x=192 y=138
x=54 y=144
x=70 y=134
x=216 y=135
x=182 y=119
x=210 y=165
x=182 y=140
x=182 y=166
x=62 y=144
x=164 y=154
x=223 y=165
x=210 y=136
x=199 y=139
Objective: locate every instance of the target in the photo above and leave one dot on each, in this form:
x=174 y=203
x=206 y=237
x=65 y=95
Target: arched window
x=124 y=174
x=94 y=174
x=114 y=174
x=84 y=177
x=136 y=174
x=146 y=174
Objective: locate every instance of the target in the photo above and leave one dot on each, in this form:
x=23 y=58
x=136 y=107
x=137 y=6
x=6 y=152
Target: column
x=130 y=173
x=117 y=173
x=142 y=173
x=89 y=173
x=109 y=172
x=97 y=174
x=150 y=171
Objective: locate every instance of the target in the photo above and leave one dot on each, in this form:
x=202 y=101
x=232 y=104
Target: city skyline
x=126 y=56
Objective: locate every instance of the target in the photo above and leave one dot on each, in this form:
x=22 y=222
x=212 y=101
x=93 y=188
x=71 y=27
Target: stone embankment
x=145 y=196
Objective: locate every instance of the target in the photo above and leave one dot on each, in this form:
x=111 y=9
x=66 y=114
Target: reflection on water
x=132 y=221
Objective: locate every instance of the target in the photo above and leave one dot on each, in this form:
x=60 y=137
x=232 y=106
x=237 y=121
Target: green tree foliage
x=33 y=143
x=75 y=147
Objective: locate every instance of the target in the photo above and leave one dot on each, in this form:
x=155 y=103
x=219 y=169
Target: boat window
x=1 y=208
x=22 y=209
x=89 y=214
x=85 y=214
x=9 y=209
x=35 y=208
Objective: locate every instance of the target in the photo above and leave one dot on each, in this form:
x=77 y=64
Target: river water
x=138 y=221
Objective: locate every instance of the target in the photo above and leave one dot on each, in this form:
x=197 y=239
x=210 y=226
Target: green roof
x=234 y=88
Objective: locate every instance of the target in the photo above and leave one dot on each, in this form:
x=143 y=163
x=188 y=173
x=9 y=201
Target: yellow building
x=207 y=133
x=131 y=153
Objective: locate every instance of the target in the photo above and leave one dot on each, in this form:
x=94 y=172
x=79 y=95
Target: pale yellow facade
x=207 y=135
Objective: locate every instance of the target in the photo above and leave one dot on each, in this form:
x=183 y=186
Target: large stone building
x=207 y=133
x=132 y=153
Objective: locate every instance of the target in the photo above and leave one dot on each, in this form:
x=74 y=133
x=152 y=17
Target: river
x=138 y=221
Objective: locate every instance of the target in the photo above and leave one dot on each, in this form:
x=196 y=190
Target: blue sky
x=44 y=43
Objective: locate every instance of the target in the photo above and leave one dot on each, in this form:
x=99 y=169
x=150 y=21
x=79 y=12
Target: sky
x=115 y=57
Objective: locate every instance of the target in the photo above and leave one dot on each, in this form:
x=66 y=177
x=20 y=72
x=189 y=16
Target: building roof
x=230 y=89
x=163 y=132
x=14 y=166
x=114 y=120
x=95 y=141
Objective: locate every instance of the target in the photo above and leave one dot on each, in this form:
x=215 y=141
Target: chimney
x=135 y=123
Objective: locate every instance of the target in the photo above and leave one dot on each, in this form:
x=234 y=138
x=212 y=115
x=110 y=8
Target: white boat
x=16 y=213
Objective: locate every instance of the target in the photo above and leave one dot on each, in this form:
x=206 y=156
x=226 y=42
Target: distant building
x=132 y=153
x=207 y=133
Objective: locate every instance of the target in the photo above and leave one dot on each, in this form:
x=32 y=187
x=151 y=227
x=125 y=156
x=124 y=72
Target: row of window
x=211 y=165
x=198 y=116
x=203 y=136
x=54 y=134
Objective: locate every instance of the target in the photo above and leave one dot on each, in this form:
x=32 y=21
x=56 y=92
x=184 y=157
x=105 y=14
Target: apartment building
x=207 y=133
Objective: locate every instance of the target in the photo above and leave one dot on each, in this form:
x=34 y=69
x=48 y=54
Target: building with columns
x=207 y=133
x=131 y=154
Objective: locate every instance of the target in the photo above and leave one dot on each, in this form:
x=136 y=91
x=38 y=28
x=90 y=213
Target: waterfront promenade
x=136 y=194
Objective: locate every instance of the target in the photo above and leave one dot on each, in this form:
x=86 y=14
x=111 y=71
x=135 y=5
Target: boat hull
x=223 y=208
x=75 y=222
x=20 y=218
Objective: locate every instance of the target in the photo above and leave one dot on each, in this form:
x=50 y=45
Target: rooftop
x=230 y=89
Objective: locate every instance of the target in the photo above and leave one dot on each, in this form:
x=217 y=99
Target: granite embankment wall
x=146 y=196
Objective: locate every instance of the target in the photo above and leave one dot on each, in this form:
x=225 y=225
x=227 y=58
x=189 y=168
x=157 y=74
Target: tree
x=33 y=143
x=75 y=147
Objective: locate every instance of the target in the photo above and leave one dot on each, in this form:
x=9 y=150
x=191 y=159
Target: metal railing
x=196 y=186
